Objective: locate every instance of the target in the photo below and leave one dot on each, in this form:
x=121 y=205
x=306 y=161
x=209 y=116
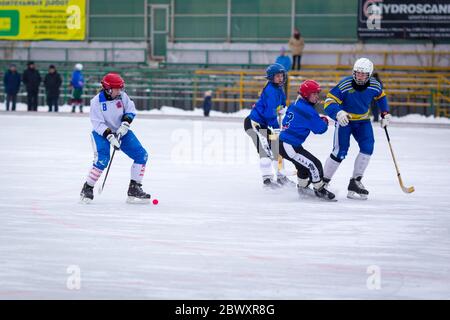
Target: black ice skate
x=324 y=194
x=136 y=194
x=87 y=193
x=304 y=189
x=285 y=181
x=269 y=184
x=356 y=189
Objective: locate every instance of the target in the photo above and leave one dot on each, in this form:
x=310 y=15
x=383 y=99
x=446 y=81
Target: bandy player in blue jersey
x=263 y=127
x=348 y=104
x=112 y=112
x=301 y=119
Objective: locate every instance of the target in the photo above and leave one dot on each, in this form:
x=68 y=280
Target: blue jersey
x=301 y=118
x=77 y=79
x=356 y=103
x=264 y=111
x=285 y=61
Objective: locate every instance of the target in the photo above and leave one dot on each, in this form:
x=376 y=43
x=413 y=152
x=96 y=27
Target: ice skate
x=284 y=181
x=304 y=189
x=87 y=193
x=136 y=194
x=268 y=183
x=321 y=191
x=356 y=189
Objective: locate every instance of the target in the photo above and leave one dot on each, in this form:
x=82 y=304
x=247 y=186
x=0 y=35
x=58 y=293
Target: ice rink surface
x=216 y=234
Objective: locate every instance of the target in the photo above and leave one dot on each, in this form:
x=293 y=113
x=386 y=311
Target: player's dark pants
x=265 y=133
x=308 y=166
x=296 y=62
x=32 y=100
x=360 y=130
x=11 y=98
x=52 y=101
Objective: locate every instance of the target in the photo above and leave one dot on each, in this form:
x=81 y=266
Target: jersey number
x=104 y=107
x=288 y=118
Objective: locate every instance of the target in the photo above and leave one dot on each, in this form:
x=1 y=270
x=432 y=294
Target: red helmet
x=112 y=81
x=307 y=87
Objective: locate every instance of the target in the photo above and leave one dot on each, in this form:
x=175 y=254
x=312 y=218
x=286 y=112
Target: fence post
x=241 y=90
x=287 y=89
x=194 y=95
x=434 y=110
x=65 y=84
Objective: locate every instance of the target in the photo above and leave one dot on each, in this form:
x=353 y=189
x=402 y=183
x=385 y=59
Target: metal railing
x=429 y=91
x=66 y=55
x=424 y=92
x=249 y=60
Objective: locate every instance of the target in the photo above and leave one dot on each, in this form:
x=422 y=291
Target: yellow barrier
x=403 y=88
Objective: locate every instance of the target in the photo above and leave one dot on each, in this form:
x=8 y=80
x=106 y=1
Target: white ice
x=215 y=234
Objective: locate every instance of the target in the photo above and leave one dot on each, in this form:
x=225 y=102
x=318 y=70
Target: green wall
x=206 y=21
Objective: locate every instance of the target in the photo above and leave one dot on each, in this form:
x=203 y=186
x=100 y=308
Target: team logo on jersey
x=119 y=104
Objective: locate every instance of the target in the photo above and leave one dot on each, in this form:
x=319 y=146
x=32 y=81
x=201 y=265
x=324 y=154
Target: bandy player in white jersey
x=112 y=112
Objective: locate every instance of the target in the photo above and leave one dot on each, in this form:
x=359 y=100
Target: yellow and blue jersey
x=345 y=97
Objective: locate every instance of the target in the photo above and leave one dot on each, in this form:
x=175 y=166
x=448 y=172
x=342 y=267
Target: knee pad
x=101 y=160
x=367 y=148
x=141 y=156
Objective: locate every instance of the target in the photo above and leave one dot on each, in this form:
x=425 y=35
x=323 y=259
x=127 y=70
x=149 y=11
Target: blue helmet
x=274 y=69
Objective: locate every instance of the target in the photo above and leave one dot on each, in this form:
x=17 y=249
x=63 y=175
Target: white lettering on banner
x=419 y=8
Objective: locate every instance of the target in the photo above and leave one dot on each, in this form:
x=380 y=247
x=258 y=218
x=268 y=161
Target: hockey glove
x=385 y=119
x=123 y=129
x=281 y=110
x=113 y=141
x=343 y=118
x=324 y=119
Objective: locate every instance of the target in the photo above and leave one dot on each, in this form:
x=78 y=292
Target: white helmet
x=79 y=66
x=363 y=65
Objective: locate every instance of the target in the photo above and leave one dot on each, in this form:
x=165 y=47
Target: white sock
x=93 y=176
x=137 y=172
x=275 y=168
x=265 y=164
x=330 y=168
x=361 y=163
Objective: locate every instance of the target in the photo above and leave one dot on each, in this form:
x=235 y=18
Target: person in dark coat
x=207 y=103
x=52 y=83
x=32 y=79
x=11 y=81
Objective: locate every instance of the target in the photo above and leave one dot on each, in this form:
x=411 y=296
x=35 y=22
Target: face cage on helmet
x=361 y=82
x=109 y=90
